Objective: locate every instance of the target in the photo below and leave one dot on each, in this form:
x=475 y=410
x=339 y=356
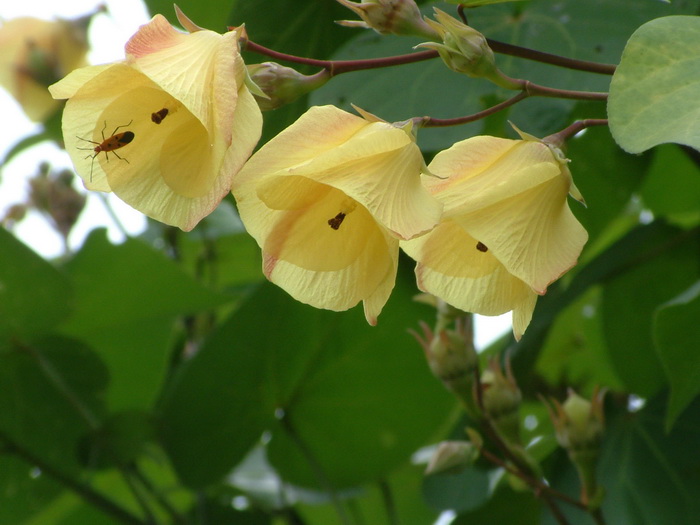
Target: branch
x=84 y=491
x=548 y=58
x=336 y=67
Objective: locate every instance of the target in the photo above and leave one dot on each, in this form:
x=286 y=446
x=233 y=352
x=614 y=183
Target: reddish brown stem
x=336 y=67
x=547 y=58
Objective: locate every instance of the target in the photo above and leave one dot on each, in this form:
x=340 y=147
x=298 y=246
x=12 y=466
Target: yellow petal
x=203 y=70
x=379 y=166
x=369 y=277
x=71 y=83
x=480 y=171
x=533 y=234
x=451 y=267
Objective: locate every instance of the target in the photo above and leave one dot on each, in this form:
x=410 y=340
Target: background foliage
x=163 y=381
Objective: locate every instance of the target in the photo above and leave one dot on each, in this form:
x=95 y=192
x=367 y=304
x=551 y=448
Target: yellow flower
x=327 y=200
x=174 y=121
x=507 y=231
x=36 y=53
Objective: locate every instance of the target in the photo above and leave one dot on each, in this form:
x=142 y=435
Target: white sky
x=108 y=34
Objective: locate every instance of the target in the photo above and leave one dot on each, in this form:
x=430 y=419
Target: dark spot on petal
x=158 y=116
x=336 y=221
x=481 y=247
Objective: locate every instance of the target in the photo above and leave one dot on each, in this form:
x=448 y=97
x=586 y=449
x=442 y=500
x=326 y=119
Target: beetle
x=112 y=143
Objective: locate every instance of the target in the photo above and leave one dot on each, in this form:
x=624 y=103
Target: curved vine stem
x=336 y=67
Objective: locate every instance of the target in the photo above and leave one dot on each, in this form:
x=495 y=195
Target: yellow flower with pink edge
x=328 y=199
x=507 y=231
x=167 y=128
x=36 y=53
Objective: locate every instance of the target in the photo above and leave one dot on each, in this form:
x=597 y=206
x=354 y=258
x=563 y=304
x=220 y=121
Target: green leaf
x=461 y=492
x=477 y=3
x=48 y=389
x=354 y=397
x=643 y=243
x=649 y=476
x=666 y=264
x=672 y=186
x=120 y=439
x=506 y=506
x=217 y=405
x=677 y=340
x=326 y=373
x=655 y=91
x=212 y=14
x=407 y=91
x=34 y=296
x=575 y=353
x=606 y=179
x=127 y=299
x=305 y=28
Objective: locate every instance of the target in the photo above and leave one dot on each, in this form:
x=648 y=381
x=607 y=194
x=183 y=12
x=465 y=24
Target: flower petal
x=533 y=234
x=451 y=267
x=480 y=171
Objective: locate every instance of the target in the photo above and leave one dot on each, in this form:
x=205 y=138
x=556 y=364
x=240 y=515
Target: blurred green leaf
x=649 y=476
x=212 y=14
x=120 y=439
x=677 y=340
x=664 y=265
x=642 y=245
x=461 y=492
x=506 y=506
x=399 y=93
x=217 y=405
x=478 y=3
x=574 y=353
x=672 y=186
x=304 y=27
x=348 y=401
x=650 y=90
x=126 y=300
x=34 y=295
x=606 y=179
x=49 y=390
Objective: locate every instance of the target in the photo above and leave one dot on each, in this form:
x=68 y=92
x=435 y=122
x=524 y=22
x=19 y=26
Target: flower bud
x=451 y=457
x=579 y=425
x=399 y=17
x=452 y=359
x=282 y=85
x=53 y=195
x=501 y=399
x=465 y=50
